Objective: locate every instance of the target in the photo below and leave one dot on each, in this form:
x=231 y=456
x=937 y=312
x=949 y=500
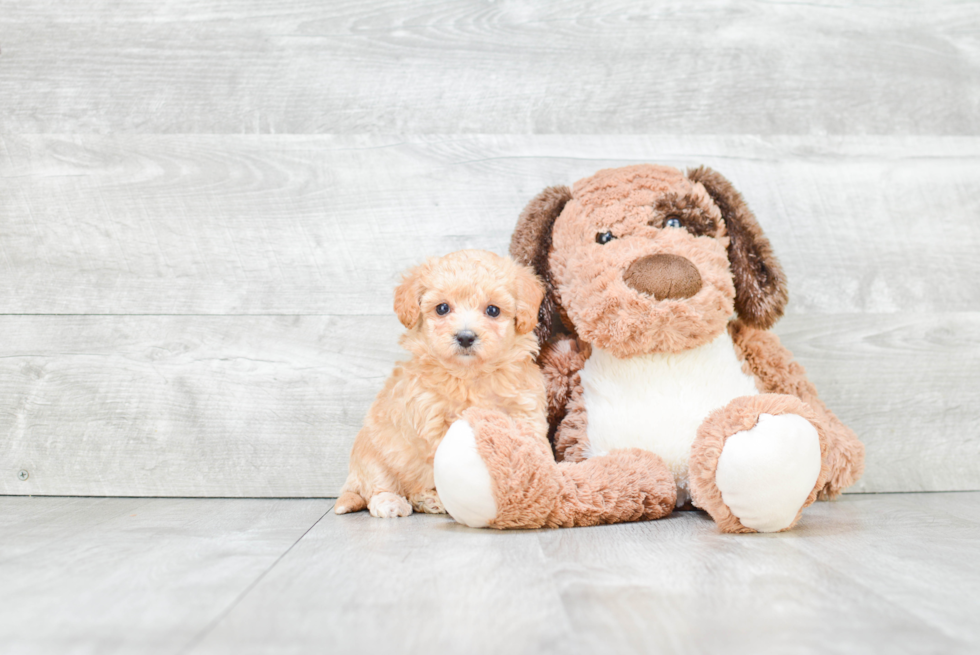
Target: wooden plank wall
x=204 y=208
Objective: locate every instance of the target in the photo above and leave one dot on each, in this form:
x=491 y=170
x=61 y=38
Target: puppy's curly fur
x=470 y=317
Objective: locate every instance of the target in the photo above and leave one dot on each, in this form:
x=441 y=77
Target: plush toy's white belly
x=658 y=401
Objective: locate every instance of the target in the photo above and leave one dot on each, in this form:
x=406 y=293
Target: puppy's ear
x=408 y=294
x=529 y=293
x=760 y=284
x=531 y=243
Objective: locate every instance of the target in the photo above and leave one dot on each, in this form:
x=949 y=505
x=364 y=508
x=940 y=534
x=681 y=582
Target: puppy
x=470 y=317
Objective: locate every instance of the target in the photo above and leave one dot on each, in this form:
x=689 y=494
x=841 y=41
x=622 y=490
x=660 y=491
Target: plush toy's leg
x=757 y=462
x=492 y=471
x=845 y=458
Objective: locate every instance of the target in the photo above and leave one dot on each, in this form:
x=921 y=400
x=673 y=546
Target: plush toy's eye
x=672 y=221
x=493 y=311
x=604 y=237
x=442 y=309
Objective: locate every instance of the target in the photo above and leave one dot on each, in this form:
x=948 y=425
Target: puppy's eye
x=672 y=221
x=493 y=311
x=604 y=237
x=442 y=309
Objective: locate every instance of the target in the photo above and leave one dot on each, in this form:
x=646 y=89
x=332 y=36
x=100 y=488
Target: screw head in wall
x=23 y=475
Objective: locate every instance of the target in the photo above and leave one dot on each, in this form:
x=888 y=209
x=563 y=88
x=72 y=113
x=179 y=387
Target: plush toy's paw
x=766 y=473
x=494 y=471
x=757 y=462
x=387 y=505
x=462 y=479
x=427 y=502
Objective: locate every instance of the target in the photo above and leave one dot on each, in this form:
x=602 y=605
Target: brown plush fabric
x=572 y=436
x=742 y=414
x=560 y=360
x=776 y=371
x=760 y=285
x=588 y=271
x=663 y=276
x=587 y=243
x=531 y=243
x=686 y=208
x=533 y=491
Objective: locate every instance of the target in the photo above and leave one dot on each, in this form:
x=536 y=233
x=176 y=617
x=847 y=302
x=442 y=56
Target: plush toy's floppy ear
x=760 y=285
x=531 y=243
x=530 y=293
x=407 y=297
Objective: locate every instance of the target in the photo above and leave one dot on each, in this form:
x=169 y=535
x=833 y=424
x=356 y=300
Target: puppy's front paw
x=428 y=502
x=387 y=505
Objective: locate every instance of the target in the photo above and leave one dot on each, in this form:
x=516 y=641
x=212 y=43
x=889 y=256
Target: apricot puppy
x=470 y=317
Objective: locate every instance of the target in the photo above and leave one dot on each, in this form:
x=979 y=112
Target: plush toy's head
x=647 y=259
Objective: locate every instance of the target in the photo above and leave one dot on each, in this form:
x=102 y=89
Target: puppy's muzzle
x=664 y=276
x=465 y=338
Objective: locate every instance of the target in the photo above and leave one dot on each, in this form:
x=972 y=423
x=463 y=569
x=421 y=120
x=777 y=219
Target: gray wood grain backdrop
x=507 y=67
x=202 y=220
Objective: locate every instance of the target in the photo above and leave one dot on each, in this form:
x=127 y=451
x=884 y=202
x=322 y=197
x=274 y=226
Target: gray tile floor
x=892 y=573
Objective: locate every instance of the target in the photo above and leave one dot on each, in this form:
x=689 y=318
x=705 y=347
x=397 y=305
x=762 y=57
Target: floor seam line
x=196 y=639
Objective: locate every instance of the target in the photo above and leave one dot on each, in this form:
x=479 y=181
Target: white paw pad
x=766 y=473
x=386 y=505
x=462 y=479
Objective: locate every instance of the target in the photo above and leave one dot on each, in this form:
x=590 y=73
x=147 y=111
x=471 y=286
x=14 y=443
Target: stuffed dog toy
x=667 y=288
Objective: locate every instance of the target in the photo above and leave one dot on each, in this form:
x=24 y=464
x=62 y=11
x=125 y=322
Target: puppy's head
x=471 y=309
x=646 y=259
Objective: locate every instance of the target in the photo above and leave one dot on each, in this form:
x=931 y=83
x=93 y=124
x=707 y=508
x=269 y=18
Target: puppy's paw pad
x=388 y=506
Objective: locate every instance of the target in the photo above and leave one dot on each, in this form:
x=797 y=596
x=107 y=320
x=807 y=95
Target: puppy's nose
x=465 y=338
x=664 y=276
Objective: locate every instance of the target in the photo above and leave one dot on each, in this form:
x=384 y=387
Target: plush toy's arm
x=777 y=372
x=492 y=472
x=560 y=362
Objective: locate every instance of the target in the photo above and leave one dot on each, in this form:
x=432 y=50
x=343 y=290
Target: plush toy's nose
x=664 y=276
